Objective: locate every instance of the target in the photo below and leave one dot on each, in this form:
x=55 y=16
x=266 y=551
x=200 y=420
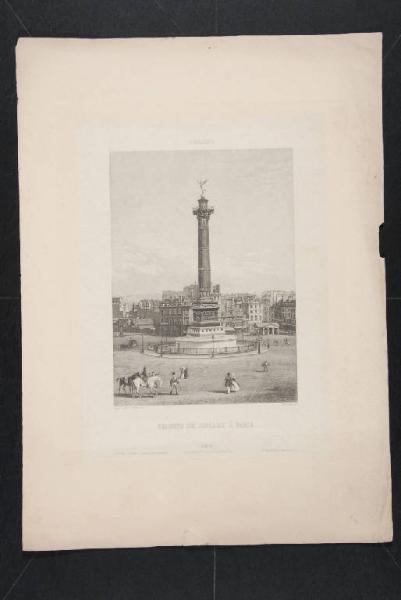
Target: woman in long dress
x=234 y=384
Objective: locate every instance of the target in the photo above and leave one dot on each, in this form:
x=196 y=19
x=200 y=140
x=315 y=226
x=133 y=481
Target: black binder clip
x=390 y=240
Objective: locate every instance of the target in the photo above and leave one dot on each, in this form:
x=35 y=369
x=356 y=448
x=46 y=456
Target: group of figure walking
x=231 y=384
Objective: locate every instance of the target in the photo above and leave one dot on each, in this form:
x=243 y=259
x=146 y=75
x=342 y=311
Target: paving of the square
x=205 y=383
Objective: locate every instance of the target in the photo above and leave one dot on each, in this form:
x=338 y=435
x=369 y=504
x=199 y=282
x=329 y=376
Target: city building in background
x=175 y=317
x=171 y=295
x=191 y=292
x=272 y=312
x=284 y=314
x=117 y=308
x=253 y=310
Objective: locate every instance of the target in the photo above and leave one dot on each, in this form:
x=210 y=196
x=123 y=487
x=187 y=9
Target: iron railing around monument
x=207 y=351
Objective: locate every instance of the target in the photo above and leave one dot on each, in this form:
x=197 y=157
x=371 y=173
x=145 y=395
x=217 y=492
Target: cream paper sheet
x=313 y=471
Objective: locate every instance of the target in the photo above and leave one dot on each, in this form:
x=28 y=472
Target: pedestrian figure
x=144 y=375
x=186 y=373
x=234 y=384
x=174 y=384
x=265 y=366
x=182 y=373
x=227 y=383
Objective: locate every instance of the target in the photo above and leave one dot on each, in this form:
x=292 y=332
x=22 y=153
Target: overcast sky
x=154 y=233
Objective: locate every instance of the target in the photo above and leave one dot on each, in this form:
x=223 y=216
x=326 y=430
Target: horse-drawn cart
x=127 y=344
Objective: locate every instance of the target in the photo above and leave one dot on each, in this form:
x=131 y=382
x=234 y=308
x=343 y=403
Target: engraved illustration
x=177 y=342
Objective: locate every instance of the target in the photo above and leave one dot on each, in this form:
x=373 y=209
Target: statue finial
x=202 y=185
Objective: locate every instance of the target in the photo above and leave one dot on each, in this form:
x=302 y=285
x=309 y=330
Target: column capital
x=203 y=213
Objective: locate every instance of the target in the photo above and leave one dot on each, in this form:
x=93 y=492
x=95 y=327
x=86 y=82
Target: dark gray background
x=269 y=572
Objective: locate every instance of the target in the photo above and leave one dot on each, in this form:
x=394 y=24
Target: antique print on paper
x=203 y=286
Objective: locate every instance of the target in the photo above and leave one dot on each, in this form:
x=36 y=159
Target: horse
x=122 y=383
x=153 y=383
x=126 y=382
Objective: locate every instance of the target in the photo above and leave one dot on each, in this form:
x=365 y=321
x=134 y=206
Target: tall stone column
x=202 y=213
